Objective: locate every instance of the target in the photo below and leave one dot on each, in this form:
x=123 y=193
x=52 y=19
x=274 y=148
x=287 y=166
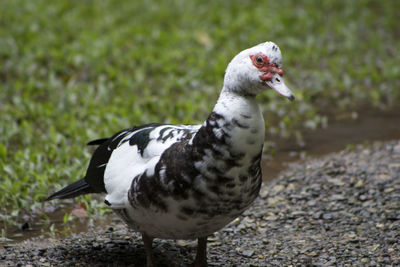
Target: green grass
x=72 y=71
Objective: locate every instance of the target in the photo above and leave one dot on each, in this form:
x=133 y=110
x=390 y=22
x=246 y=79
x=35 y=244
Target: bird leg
x=148 y=242
x=201 y=255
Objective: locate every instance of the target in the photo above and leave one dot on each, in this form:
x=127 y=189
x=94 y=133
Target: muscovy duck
x=188 y=181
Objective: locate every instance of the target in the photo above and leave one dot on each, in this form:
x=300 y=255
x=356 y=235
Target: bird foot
x=201 y=255
x=199 y=264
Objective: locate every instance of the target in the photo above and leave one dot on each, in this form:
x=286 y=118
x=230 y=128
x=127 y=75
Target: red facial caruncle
x=263 y=64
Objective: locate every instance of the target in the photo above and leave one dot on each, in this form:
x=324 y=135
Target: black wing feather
x=93 y=182
x=97 y=142
x=73 y=190
x=95 y=172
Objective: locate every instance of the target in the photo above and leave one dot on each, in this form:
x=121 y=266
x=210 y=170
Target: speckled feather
x=188 y=181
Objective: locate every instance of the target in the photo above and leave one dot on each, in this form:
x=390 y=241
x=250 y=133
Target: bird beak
x=278 y=85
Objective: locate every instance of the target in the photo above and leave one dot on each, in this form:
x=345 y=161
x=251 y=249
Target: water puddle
x=56 y=224
x=343 y=130
x=346 y=129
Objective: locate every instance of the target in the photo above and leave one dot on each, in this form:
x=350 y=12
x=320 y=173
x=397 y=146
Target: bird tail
x=78 y=188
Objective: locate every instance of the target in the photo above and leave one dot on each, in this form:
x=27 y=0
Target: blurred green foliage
x=72 y=71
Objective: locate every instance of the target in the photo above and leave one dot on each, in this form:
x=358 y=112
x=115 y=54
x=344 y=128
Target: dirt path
x=341 y=209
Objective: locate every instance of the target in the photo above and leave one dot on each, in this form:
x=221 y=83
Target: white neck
x=245 y=115
x=229 y=102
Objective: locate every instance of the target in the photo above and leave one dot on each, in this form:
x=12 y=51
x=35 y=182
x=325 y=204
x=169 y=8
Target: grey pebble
x=248 y=252
x=338 y=210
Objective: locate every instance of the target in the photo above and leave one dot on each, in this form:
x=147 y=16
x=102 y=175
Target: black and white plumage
x=188 y=181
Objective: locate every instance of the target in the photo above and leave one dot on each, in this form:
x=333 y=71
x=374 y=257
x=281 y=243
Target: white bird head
x=256 y=69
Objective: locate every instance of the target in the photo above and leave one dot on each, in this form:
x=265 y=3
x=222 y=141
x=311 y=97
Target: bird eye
x=259 y=59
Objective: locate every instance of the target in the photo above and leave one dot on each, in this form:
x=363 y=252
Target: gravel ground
x=342 y=209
